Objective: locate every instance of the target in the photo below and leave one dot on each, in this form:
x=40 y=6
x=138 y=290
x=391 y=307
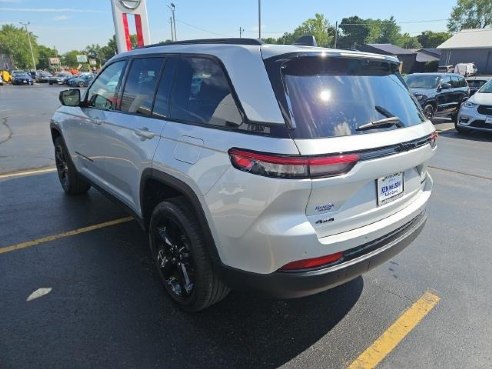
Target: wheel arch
x=55 y=132
x=157 y=186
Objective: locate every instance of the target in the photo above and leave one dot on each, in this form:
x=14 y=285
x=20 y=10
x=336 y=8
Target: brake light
x=433 y=139
x=313 y=263
x=281 y=166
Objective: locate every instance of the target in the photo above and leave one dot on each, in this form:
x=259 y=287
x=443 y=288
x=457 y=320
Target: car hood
x=481 y=98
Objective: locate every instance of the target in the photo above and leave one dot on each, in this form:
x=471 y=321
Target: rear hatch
x=356 y=110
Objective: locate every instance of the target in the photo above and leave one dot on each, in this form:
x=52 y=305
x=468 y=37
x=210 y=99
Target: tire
x=51 y=83
x=70 y=180
x=179 y=251
x=459 y=129
x=429 y=111
x=454 y=117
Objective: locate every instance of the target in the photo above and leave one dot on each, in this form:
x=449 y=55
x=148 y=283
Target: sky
x=70 y=24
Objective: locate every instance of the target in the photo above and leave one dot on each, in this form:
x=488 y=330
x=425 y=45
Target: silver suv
x=283 y=169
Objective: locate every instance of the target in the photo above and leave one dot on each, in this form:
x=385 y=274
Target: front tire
x=179 y=251
x=429 y=111
x=70 y=180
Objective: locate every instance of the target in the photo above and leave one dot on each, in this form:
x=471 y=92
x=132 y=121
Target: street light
x=30 y=44
x=259 y=20
x=173 y=9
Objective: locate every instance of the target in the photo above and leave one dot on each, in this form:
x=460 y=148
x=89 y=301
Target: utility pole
x=172 y=32
x=336 y=34
x=30 y=44
x=259 y=20
x=173 y=24
x=241 y=30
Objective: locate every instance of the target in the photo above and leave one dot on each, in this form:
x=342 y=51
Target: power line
x=202 y=29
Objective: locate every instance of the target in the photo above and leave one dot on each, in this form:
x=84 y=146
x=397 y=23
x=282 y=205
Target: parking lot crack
x=9 y=130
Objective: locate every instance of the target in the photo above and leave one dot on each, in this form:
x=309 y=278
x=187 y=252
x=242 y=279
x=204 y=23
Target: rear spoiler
x=307 y=40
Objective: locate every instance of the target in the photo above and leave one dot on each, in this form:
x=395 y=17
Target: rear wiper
x=386 y=122
x=389 y=121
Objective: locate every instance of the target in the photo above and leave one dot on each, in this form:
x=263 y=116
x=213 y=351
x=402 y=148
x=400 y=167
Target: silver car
x=476 y=113
x=283 y=169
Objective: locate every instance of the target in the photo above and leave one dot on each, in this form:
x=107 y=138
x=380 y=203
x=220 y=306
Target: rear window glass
x=330 y=97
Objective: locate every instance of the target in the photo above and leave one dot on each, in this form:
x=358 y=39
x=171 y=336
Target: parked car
x=466 y=69
x=445 y=69
x=1 y=80
x=59 y=78
x=476 y=112
x=23 y=78
x=43 y=77
x=439 y=94
x=284 y=169
x=476 y=82
x=81 y=81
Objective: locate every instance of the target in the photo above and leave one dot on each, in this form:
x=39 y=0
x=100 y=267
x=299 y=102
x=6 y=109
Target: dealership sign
x=121 y=10
x=130 y=4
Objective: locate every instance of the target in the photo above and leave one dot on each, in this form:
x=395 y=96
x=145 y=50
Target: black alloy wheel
x=71 y=181
x=181 y=256
x=429 y=111
x=62 y=165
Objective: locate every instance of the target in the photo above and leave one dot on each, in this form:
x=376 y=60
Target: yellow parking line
x=27 y=173
x=374 y=354
x=74 y=232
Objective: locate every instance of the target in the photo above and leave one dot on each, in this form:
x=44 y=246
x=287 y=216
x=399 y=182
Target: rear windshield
x=330 y=96
x=422 y=81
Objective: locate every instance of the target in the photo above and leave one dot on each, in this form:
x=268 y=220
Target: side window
x=455 y=82
x=202 y=94
x=462 y=82
x=446 y=79
x=138 y=93
x=102 y=94
x=161 y=104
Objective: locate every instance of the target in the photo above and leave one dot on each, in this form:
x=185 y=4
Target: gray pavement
x=107 y=309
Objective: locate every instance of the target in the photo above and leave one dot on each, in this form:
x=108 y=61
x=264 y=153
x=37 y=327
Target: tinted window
x=455 y=82
x=201 y=94
x=486 y=88
x=462 y=82
x=330 y=97
x=446 y=79
x=422 y=81
x=161 y=104
x=138 y=93
x=102 y=94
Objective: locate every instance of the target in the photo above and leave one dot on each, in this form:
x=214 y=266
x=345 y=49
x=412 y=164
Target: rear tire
x=179 y=251
x=70 y=180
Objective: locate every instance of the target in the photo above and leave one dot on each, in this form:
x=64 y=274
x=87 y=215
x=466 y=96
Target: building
x=6 y=62
x=469 y=46
x=407 y=57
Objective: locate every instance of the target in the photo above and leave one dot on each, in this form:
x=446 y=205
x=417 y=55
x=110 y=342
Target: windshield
x=486 y=88
x=329 y=97
x=423 y=81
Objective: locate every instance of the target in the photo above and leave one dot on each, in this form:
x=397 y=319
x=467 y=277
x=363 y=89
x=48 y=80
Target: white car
x=476 y=112
x=283 y=169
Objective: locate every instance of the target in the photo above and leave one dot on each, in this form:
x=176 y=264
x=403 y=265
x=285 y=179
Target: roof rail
x=224 y=41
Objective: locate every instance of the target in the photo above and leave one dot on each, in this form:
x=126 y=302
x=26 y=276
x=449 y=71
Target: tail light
x=313 y=263
x=433 y=139
x=281 y=166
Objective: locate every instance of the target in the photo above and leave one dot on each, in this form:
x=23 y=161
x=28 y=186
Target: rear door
x=131 y=134
x=381 y=168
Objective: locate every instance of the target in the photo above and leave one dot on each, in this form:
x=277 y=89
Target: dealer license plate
x=488 y=120
x=390 y=188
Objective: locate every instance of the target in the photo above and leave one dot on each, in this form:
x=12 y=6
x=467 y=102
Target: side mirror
x=445 y=86
x=70 y=97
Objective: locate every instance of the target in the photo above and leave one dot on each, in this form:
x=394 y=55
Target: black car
x=439 y=93
x=43 y=77
x=59 y=78
x=81 y=81
x=23 y=78
x=476 y=82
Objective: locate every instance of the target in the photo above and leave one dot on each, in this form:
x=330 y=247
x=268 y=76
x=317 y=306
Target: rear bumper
x=303 y=283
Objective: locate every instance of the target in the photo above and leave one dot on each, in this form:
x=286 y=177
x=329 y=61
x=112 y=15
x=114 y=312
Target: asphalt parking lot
x=97 y=301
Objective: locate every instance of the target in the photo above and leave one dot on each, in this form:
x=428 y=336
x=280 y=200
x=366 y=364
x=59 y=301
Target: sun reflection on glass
x=325 y=95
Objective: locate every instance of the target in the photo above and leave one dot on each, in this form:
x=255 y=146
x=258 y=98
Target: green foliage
x=44 y=54
x=470 y=14
x=14 y=42
x=318 y=26
x=432 y=39
x=354 y=31
x=69 y=59
x=408 y=42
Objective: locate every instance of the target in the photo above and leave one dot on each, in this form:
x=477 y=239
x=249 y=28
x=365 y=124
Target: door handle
x=144 y=133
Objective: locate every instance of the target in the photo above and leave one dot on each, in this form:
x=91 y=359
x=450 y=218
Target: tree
x=319 y=27
x=409 y=42
x=432 y=39
x=470 y=14
x=45 y=53
x=354 y=31
x=389 y=31
x=14 y=42
x=69 y=59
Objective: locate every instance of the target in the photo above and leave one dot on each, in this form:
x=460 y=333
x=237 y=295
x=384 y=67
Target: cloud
x=61 y=17
x=50 y=10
